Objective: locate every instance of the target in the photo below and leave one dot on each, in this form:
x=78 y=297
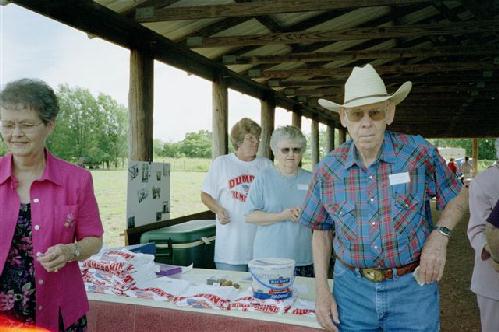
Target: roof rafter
x=356 y=33
x=392 y=53
x=393 y=69
x=148 y=15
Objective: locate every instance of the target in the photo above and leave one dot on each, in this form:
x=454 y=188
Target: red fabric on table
x=106 y=316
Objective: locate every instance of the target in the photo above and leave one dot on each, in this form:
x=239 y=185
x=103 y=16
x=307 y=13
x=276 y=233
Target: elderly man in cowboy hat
x=374 y=192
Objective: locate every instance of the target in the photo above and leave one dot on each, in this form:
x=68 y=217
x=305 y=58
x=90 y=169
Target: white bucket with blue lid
x=272 y=278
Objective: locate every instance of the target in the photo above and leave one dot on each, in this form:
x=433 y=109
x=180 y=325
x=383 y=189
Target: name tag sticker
x=399 y=178
x=302 y=186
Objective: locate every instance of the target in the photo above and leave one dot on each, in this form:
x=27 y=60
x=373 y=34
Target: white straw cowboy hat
x=364 y=87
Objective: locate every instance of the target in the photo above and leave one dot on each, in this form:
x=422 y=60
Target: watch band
x=445 y=231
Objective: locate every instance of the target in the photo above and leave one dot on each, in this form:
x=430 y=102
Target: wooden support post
x=267 y=122
x=140 y=106
x=220 y=118
x=315 y=142
x=296 y=120
x=474 y=155
x=342 y=136
x=329 y=138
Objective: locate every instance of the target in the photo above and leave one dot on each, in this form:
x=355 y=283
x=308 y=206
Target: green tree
x=113 y=134
x=157 y=148
x=196 y=144
x=170 y=150
x=88 y=129
x=486 y=149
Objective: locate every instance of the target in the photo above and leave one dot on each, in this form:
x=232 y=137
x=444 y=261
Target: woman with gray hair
x=274 y=203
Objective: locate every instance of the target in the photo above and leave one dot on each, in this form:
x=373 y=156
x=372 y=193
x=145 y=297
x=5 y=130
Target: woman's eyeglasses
x=357 y=115
x=25 y=127
x=287 y=150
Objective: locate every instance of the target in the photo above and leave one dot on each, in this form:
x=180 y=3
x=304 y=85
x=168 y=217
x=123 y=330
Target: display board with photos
x=148 y=193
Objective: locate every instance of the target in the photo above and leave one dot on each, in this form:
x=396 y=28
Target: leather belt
x=379 y=275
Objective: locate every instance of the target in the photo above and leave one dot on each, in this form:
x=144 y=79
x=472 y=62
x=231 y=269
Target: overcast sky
x=34 y=46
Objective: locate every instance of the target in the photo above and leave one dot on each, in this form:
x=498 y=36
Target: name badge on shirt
x=399 y=178
x=302 y=186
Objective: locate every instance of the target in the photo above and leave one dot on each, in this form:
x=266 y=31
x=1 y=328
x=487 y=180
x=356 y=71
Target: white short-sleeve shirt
x=228 y=182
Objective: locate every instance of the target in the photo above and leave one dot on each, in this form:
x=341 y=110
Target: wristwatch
x=445 y=231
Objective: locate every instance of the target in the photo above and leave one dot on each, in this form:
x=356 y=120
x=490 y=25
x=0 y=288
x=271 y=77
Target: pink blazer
x=63 y=208
x=484 y=193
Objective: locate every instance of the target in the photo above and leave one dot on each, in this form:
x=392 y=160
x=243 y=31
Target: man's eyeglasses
x=287 y=150
x=356 y=115
x=25 y=127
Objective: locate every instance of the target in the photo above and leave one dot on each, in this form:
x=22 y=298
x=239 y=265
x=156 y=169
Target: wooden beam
x=357 y=33
x=329 y=138
x=214 y=28
x=395 y=80
x=463 y=91
x=98 y=20
x=267 y=117
x=474 y=155
x=382 y=70
x=393 y=54
x=139 y=4
x=258 y=8
x=481 y=9
x=314 y=142
x=140 y=107
x=296 y=120
x=313 y=92
x=274 y=83
x=220 y=117
x=342 y=135
x=463 y=130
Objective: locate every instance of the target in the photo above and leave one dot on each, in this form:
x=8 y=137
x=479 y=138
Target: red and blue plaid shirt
x=380 y=217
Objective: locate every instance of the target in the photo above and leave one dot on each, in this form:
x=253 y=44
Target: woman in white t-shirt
x=224 y=192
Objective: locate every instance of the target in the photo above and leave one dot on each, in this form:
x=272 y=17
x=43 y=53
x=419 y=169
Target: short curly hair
x=241 y=128
x=29 y=93
x=287 y=132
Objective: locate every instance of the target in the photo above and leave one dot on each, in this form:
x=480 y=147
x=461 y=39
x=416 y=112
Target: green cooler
x=192 y=242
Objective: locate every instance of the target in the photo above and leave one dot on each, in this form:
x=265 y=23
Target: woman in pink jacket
x=49 y=218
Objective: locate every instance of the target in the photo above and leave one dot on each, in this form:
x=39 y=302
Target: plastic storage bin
x=192 y=242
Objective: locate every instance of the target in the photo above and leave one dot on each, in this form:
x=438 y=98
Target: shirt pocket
x=66 y=219
x=405 y=212
x=346 y=224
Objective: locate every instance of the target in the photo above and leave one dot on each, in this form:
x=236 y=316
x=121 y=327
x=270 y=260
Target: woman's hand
x=56 y=257
x=223 y=216
x=292 y=214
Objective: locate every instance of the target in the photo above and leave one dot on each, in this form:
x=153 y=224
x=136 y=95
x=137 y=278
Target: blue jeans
x=230 y=267
x=399 y=304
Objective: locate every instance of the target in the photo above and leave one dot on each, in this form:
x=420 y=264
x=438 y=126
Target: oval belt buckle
x=373 y=275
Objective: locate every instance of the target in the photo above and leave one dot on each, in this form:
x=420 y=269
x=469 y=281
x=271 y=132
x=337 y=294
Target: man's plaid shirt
x=378 y=224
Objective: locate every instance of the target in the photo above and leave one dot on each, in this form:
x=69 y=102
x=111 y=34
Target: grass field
x=110 y=190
